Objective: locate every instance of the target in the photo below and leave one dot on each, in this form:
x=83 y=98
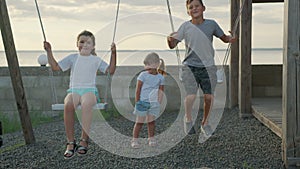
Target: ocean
x=262 y=56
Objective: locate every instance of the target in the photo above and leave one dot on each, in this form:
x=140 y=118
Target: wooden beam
x=234 y=58
x=266 y=1
x=291 y=83
x=268 y=120
x=245 y=71
x=15 y=74
x=1 y=142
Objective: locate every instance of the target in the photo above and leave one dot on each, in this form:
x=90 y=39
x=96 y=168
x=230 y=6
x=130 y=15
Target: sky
x=141 y=24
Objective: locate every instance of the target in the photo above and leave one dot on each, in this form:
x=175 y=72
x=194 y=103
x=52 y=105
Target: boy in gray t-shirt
x=199 y=60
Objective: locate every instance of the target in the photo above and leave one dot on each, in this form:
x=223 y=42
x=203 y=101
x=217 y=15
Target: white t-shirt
x=83 y=69
x=198 y=41
x=150 y=87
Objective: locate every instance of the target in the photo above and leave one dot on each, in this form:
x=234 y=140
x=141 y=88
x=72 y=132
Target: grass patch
x=111 y=113
x=247 y=166
x=13 y=147
x=11 y=121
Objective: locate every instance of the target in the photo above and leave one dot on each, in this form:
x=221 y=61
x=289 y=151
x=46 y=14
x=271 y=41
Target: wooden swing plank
x=98 y=106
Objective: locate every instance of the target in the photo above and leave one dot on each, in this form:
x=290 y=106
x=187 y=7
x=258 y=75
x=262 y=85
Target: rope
x=113 y=40
x=220 y=72
x=173 y=30
x=54 y=96
x=53 y=89
x=41 y=23
x=236 y=23
x=116 y=21
x=107 y=84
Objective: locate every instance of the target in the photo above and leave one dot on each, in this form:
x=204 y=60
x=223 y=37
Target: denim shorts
x=82 y=91
x=203 y=77
x=143 y=108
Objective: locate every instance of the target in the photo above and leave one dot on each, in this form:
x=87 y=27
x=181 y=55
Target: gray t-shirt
x=150 y=87
x=83 y=69
x=198 y=41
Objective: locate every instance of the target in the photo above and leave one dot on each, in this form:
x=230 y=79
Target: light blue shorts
x=143 y=108
x=82 y=91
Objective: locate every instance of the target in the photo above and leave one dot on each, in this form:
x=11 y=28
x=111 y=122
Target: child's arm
x=113 y=59
x=172 y=41
x=139 y=85
x=228 y=39
x=160 y=93
x=53 y=63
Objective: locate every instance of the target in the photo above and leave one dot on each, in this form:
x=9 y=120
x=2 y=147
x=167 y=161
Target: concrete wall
x=40 y=86
x=267 y=81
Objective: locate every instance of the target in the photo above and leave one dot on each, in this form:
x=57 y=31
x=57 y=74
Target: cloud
x=93 y=10
x=268 y=14
x=89 y=10
x=65 y=18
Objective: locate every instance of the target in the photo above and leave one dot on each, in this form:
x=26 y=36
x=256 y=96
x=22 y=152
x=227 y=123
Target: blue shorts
x=143 y=108
x=203 y=77
x=82 y=91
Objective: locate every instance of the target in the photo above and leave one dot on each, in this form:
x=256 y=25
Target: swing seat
x=98 y=106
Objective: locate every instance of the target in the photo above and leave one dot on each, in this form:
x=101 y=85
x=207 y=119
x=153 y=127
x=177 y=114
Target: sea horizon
x=133 y=57
x=128 y=50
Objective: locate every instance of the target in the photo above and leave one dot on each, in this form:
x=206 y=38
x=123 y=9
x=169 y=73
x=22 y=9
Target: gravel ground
x=236 y=143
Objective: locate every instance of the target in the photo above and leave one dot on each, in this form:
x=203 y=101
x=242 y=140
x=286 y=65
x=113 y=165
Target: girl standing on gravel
x=84 y=66
x=148 y=97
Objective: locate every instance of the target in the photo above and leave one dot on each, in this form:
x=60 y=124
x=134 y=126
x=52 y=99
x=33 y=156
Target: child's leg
x=151 y=125
x=208 y=85
x=71 y=101
x=138 y=125
x=188 y=104
x=88 y=100
x=189 y=80
x=208 y=102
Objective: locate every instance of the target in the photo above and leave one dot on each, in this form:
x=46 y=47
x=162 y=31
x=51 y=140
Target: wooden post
x=15 y=74
x=234 y=59
x=291 y=85
x=1 y=142
x=245 y=61
x=266 y=1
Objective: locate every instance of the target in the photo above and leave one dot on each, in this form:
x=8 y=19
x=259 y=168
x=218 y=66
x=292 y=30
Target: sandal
x=70 y=153
x=82 y=150
x=135 y=143
x=152 y=142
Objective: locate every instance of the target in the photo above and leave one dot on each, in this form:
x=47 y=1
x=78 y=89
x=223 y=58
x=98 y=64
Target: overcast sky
x=142 y=24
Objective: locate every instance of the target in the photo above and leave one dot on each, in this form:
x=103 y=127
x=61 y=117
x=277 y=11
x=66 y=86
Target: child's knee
x=138 y=124
x=69 y=105
x=151 y=123
x=87 y=103
x=208 y=98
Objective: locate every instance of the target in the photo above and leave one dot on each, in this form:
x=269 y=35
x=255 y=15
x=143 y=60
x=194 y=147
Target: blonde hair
x=162 y=68
x=91 y=35
x=152 y=60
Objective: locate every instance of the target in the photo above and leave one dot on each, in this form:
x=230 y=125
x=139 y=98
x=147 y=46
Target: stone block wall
x=41 y=88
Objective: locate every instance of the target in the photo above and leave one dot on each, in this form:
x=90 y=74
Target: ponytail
x=93 y=52
x=162 y=67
